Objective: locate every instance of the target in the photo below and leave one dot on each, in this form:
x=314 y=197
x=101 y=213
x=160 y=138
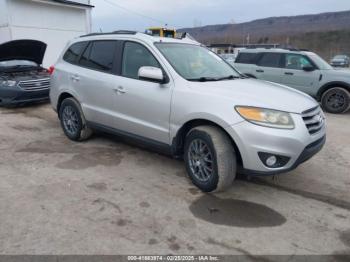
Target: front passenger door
x=142 y=107
x=295 y=76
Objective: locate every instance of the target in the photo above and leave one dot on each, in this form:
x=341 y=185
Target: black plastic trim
x=135 y=139
x=66 y=2
x=308 y=153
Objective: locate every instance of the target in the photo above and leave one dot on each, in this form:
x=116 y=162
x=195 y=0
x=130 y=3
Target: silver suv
x=180 y=98
x=305 y=71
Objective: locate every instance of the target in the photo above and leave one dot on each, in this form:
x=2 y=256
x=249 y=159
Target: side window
x=99 y=55
x=74 y=51
x=84 y=60
x=270 y=60
x=296 y=62
x=136 y=56
x=246 y=58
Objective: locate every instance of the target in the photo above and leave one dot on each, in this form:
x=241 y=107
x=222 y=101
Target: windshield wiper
x=228 y=77
x=203 y=79
x=207 y=79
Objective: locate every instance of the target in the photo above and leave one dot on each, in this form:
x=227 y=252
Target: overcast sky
x=140 y=14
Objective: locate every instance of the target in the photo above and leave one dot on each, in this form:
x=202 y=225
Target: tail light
x=51 y=70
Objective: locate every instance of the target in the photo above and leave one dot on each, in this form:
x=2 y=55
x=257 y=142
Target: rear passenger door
x=269 y=67
x=142 y=107
x=245 y=63
x=96 y=80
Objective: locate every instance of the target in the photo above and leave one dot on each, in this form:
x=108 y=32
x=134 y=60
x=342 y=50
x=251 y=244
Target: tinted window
x=136 y=56
x=270 y=60
x=84 y=60
x=99 y=55
x=296 y=62
x=246 y=58
x=73 y=53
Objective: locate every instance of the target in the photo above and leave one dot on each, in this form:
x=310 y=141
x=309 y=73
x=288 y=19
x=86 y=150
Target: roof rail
x=119 y=32
x=125 y=32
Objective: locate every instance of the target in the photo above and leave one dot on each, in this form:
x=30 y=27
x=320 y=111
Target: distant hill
x=272 y=27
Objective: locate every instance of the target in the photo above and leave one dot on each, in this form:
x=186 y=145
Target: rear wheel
x=336 y=100
x=73 y=121
x=210 y=159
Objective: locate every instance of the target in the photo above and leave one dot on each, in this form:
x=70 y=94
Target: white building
x=53 y=22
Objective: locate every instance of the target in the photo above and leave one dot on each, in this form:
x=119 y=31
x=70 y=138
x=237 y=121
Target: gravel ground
x=105 y=196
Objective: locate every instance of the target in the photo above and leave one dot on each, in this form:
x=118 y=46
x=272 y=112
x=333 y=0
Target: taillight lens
x=51 y=70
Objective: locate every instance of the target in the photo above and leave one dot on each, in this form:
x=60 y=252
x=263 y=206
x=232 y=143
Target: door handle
x=120 y=90
x=260 y=71
x=289 y=73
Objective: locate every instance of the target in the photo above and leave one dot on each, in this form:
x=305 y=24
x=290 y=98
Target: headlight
x=8 y=83
x=266 y=117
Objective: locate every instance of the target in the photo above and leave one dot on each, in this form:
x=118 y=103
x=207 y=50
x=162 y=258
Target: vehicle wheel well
x=179 y=140
x=329 y=86
x=62 y=97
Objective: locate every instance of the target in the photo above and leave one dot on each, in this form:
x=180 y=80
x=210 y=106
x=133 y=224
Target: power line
x=135 y=13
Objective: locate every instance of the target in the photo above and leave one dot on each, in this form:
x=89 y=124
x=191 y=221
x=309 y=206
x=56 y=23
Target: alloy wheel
x=200 y=160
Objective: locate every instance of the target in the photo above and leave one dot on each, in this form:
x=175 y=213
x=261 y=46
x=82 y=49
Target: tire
x=222 y=155
x=71 y=110
x=336 y=100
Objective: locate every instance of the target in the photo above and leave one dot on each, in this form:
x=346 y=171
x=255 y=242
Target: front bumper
x=13 y=96
x=297 y=144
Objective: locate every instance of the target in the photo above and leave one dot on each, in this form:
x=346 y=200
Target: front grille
x=35 y=85
x=314 y=120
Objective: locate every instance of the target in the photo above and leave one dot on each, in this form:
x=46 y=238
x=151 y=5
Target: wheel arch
x=179 y=140
x=330 y=85
x=62 y=97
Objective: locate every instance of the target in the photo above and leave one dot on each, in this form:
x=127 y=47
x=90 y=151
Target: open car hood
x=31 y=50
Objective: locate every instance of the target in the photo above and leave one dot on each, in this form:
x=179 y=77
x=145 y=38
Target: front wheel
x=210 y=159
x=336 y=100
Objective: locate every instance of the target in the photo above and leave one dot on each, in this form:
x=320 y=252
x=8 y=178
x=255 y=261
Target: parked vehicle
x=161 y=32
x=340 y=61
x=181 y=98
x=301 y=70
x=22 y=79
x=229 y=58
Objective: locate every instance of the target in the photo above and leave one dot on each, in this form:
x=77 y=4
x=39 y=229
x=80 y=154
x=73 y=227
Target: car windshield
x=196 y=63
x=320 y=62
x=17 y=63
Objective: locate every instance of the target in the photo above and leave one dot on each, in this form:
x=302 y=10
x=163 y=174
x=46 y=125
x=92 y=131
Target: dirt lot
x=107 y=197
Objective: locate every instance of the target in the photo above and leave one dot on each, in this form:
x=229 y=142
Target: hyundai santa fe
x=180 y=98
x=302 y=70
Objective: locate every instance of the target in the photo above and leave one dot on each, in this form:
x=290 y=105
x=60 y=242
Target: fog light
x=271 y=161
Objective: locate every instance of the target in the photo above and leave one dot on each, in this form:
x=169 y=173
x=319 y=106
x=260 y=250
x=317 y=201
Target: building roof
x=67 y=2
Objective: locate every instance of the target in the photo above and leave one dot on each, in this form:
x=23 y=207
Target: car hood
x=257 y=93
x=31 y=50
x=339 y=74
x=338 y=60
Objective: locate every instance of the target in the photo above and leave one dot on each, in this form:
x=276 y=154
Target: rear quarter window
x=74 y=52
x=100 y=55
x=246 y=58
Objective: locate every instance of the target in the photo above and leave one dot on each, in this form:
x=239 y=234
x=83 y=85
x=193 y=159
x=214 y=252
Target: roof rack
x=119 y=32
x=283 y=48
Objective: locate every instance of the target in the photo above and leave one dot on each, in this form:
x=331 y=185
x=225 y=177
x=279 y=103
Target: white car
x=302 y=70
x=180 y=98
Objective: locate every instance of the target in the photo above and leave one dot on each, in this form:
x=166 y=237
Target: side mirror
x=308 y=68
x=152 y=74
